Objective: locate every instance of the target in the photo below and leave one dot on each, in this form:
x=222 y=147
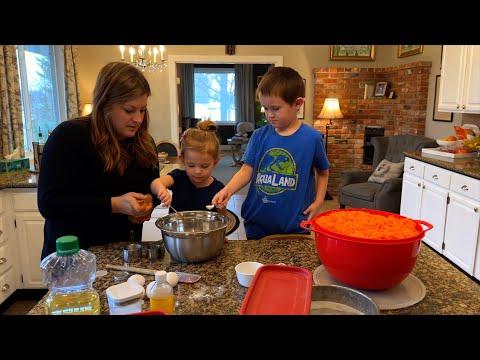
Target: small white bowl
x=446 y=142
x=246 y=271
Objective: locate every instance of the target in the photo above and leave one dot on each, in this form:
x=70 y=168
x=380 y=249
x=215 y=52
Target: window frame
x=58 y=74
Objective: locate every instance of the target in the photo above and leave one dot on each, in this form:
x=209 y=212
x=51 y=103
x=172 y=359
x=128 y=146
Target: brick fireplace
x=403 y=114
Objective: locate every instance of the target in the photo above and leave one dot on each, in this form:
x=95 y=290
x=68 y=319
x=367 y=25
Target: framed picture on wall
x=409 y=50
x=439 y=115
x=352 y=52
x=301 y=111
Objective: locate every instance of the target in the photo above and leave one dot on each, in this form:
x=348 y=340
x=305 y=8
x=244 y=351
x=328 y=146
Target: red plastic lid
x=279 y=290
x=148 y=313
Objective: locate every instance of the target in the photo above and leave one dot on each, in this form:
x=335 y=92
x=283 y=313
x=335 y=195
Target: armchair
x=355 y=191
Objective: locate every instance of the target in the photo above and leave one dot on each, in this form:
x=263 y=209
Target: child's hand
x=313 y=209
x=221 y=198
x=165 y=196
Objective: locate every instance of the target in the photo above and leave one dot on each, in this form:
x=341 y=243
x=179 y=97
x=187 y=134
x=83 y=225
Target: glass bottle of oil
x=69 y=274
x=161 y=294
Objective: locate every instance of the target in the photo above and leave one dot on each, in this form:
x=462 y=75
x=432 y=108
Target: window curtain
x=185 y=73
x=11 y=124
x=72 y=95
x=244 y=93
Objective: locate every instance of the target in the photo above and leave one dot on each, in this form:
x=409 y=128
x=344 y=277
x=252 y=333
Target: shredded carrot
x=366 y=225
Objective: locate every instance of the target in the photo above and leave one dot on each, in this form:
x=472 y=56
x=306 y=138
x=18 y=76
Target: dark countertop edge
x=12 y=186
x=443 y=164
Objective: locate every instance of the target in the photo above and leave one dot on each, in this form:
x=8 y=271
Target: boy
x=281 y=160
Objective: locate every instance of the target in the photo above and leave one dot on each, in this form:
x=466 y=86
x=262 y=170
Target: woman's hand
x=141 y=219
x=133 y=204
x=313 y=209
x=221 y=198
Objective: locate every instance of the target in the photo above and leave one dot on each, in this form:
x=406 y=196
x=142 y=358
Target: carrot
x=365 y=225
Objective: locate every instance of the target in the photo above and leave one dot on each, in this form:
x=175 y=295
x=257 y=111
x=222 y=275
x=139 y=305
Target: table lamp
x=87 y=109
x=331 y=110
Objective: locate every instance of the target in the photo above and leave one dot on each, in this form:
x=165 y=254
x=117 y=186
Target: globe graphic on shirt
x=276 y=172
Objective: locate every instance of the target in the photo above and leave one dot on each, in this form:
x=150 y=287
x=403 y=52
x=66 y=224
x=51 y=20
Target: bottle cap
x=160 y=276
x=67 y=245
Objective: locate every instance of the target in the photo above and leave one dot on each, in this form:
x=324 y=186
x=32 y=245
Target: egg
x=172 y=279
x=139 y=279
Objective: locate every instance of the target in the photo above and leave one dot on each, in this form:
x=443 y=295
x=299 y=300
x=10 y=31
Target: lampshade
x=262 y=109
x=87 y=109
x=331 y=109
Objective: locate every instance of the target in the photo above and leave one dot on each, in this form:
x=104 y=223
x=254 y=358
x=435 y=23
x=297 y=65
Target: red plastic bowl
x=365 y=263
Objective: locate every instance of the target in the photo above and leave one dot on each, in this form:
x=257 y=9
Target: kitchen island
x=449 y=291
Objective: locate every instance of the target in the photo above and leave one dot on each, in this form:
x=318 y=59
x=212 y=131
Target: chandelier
x=145 y=57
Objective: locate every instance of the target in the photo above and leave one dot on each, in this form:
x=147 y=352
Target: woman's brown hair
x=202 y=139
x=118 y=83
x=283 y=82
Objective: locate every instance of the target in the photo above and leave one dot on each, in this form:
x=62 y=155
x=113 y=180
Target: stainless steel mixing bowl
x=341 y=300
x=193 y=236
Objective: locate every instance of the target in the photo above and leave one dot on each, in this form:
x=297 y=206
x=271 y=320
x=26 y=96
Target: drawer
x=437 y=175
x=414 y=167
x=6 y=257
x=466 y=186
x=25 y=201
x=7 y=284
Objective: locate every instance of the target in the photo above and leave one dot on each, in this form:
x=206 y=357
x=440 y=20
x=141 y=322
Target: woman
x=96 y=170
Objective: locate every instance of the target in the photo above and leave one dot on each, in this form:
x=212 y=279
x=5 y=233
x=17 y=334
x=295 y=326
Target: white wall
x=302 y=58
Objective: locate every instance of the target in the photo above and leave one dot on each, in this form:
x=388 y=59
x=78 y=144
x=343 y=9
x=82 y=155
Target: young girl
x=194 y=187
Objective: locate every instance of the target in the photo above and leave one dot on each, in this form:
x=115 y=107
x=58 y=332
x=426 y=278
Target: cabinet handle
x=3 y=260
x=5 y=288
x=435 y=177
x=412 y=167
x=419 y=184
x=475 y=209
x=458 y=106
x=423 y=187
x=464 y=188
x=463 y=107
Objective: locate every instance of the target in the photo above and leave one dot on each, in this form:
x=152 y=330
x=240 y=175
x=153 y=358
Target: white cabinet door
x=462 y=231
x=471 y=95
x=451 y=80
x=30 y=240
x=411 y=196
x=433 y=210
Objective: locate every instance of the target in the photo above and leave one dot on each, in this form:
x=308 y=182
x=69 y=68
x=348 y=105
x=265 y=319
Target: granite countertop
x=18 y=179
x=448 y=290
x=465 y=166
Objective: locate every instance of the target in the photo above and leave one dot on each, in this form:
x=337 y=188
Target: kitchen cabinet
x=425 y=200
x=29 y=234
x=8 y=268
x=460 y=79
x=461 y=231
x=411 y=194
x=450 y=202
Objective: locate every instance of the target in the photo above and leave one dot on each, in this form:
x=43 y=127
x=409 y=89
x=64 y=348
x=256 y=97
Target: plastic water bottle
x=69 y=274
x=161 y=294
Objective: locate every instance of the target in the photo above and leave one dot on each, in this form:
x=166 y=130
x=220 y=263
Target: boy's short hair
x=283 y=82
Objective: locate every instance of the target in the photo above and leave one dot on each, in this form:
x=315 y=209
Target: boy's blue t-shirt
x=187 y=197
x=283 y=181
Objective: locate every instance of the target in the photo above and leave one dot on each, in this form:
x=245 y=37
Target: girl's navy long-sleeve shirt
x=74 y=191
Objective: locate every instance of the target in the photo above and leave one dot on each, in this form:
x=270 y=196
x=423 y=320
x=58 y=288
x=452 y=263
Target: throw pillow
x=386 y=170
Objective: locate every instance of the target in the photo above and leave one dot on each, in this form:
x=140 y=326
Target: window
x=41 y=75
x=214 y=94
